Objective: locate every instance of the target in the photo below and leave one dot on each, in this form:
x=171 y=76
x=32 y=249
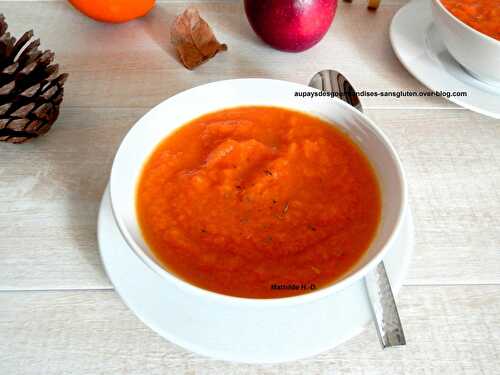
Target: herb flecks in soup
x=247 y=200
x=482 y=15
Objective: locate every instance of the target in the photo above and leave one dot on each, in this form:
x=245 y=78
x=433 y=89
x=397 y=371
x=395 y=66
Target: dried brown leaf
x=193 y=39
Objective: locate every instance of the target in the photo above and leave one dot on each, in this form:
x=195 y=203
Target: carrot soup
x=258 y=202
x=482 y=15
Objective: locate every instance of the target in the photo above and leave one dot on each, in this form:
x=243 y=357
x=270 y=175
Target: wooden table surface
x=58 y=311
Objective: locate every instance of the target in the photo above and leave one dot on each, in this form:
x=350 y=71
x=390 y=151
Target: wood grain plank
x=452 y=163
x=450 y=330
x=50 y=192
x=133 y=64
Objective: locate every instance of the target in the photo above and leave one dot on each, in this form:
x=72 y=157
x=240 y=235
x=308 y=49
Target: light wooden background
x=59 y=313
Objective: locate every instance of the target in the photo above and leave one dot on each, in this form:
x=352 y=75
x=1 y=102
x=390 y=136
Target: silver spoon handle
x=385 y=313
x=378 y=287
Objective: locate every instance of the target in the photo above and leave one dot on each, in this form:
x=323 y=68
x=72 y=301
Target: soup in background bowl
x=470 y=30
x=210 y=159
x=481 y=15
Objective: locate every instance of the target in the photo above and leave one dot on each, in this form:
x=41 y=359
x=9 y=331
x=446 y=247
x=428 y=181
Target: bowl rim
x=464 y=25
x=267 y=302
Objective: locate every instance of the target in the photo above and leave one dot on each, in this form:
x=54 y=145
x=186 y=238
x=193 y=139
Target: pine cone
x=31 y=89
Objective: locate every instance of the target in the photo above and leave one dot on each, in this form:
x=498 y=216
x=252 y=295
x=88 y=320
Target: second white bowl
x=475 y=51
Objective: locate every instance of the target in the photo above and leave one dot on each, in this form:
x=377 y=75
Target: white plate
x=418 y=46
x=241 y=334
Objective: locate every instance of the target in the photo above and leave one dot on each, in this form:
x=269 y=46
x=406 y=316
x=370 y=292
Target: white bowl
x=478 y=53
x=181 y=108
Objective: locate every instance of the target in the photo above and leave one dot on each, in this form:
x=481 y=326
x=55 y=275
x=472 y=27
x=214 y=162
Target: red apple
x=291 y=25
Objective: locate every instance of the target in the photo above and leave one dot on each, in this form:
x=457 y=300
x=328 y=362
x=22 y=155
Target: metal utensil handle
x=385 y=312
x=378 y=287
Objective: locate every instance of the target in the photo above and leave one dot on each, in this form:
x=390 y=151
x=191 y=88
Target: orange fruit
x=113 y=10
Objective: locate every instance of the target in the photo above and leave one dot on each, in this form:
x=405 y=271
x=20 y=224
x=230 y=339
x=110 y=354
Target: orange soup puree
x=258 y=202
x=482 y=15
